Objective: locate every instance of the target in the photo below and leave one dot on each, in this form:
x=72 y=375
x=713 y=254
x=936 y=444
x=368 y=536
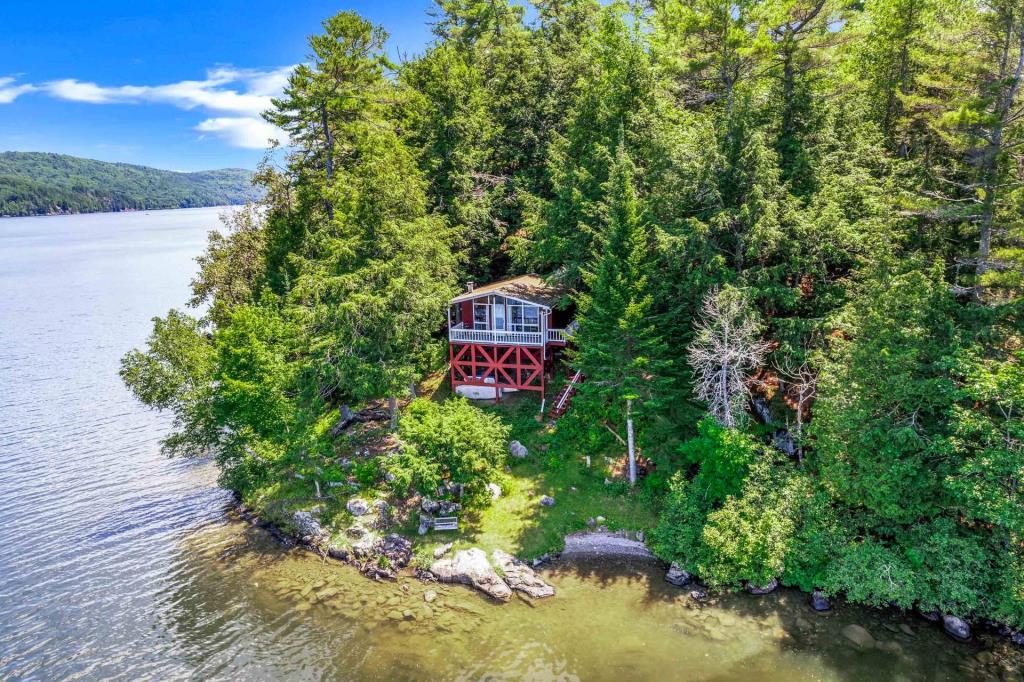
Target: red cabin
x=503 y=336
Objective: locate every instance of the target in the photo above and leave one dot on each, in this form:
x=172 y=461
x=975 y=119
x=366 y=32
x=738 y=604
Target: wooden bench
x=446 y=523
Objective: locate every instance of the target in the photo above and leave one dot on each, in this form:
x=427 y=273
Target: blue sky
x=171 y=84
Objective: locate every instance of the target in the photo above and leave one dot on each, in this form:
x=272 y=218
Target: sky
x=174 y=84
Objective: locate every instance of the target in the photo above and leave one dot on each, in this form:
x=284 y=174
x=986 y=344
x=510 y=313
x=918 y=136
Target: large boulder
x=955 y=627
x=357 y=506
x=547 y=501
x=307 y=526
x=521 y=577
x=819 y=601
x=439 y=507
x=677 y=576
x=495 y=490
x=470 y=567
x=517 y=450
x=763 y=589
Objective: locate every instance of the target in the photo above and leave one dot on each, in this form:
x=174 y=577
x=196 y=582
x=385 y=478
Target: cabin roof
x=526 y=288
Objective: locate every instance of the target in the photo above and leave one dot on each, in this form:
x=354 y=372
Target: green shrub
x=449 y=443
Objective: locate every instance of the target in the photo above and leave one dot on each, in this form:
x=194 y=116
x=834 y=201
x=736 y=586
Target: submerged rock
x=820 y=602
x=521 y=577
x=517 y=450
x=763 y=589
x=677 y=576
x=955 y=627
x=890 y=646
x=858 y=635
x=357 y=506
x=470 y=567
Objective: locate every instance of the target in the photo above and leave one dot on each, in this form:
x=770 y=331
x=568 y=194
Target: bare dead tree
x=726 y=351
x=805 y=383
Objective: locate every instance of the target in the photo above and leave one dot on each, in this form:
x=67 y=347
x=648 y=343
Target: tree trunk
x=630 y=442
x=800 y=424
x=329 y=160
x=990 y=159
x=393 y=409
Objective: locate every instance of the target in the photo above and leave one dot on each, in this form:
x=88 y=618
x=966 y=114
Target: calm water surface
x=116 y=563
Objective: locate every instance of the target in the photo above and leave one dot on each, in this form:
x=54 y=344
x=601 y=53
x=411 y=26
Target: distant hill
x=34 y=183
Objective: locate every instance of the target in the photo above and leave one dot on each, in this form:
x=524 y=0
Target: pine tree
x=620 y=351
x=612 y=108
x=327 y=100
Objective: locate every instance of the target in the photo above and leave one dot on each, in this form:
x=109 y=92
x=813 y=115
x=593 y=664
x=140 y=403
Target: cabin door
x=499 y=316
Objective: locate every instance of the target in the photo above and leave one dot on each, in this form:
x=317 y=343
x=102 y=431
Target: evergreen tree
x=620 y=351
x=612 y=107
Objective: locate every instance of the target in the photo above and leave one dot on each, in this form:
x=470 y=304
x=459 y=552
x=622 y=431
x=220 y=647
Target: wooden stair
x=564 y=397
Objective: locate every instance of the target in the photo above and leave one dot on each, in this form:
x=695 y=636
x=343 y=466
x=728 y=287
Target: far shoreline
x=133 y=210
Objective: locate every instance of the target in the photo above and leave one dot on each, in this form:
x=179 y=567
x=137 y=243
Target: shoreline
x=588 y=545
x=129 y=210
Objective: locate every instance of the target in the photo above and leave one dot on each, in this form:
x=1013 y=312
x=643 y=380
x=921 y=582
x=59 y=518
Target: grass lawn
x=517 y=522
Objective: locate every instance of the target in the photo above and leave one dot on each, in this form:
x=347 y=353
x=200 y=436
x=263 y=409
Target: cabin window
x=524 y=318
x=480 y=316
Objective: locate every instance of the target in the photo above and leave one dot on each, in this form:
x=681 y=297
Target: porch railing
x=557 y=336
x=461 y=334
x=497 y=337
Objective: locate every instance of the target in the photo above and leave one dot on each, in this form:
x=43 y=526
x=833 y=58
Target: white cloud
x=235 y=96
x=250 y=96
x=77 y=91
x=242 y=131
x=9 y=92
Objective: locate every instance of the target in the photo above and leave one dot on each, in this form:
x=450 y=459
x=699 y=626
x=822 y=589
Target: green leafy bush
x=449 y=443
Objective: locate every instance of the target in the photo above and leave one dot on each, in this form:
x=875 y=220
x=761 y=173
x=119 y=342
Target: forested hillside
x=791 y=230
x=34 y=183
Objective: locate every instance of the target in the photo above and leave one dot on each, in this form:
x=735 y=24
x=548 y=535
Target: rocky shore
x=382 y=557
x=956 y=627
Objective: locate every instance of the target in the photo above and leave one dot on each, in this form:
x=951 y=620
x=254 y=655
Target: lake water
x=117 y=563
